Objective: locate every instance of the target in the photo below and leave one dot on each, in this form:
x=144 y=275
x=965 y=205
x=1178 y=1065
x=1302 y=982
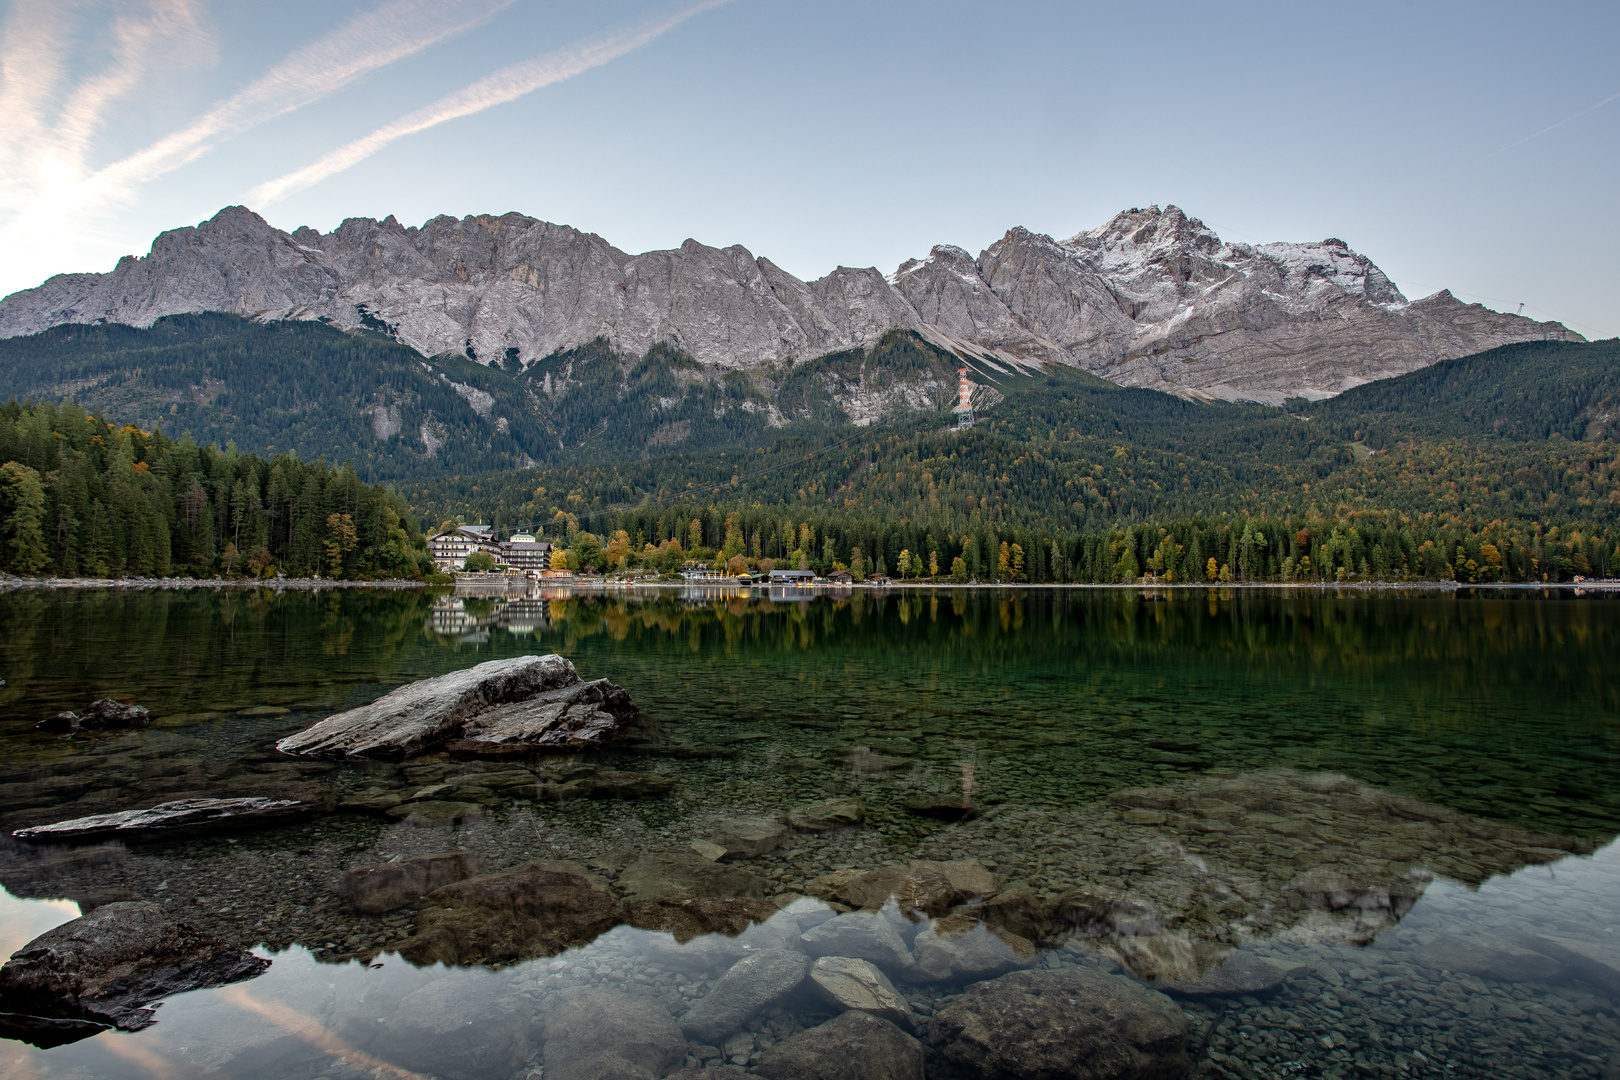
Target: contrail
x=1535 y=135
x=1561 y=123
x=505 y=85
x=371 y=40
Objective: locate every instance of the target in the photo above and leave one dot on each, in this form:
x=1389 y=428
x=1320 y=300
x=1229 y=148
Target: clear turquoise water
x=1447 y=761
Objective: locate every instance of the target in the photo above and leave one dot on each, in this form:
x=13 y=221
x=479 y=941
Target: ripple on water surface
x=1265 y=834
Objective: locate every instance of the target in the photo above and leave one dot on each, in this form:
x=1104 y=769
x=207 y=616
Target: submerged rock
x=687 y=919
x=460 y=1027
x=435 y=813
x=851 y=1046
x=533 y=701
x=1507 y=961
x=372 y=890
x=537 y=909
x=922 y=885
x=1077 y=1023
x=850 y=983
x=747 y=837
x=167 y=819
x=103 y=715
x=752 y=983
x=960 y=948
x=665 y=877
x=107 y=966
x=866 y=935
x=608 y=1035
x=827 y=814
x=1240 y=974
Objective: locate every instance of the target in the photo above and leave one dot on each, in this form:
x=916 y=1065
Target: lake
x=1263 y=833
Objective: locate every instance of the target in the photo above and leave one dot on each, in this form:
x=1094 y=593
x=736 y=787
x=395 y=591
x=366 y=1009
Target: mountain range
x=1151 y=299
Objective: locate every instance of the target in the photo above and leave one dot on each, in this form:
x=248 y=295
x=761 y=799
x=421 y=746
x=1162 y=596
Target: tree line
x=81 y=496
x=1239 y=548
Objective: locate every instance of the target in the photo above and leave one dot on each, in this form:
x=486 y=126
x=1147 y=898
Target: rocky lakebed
x=510 y=870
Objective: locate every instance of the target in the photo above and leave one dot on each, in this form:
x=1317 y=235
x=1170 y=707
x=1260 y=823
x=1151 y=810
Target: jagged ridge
x=1152 y=298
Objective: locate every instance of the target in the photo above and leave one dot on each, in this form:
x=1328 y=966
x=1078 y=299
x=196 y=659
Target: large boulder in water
x=534 y=701
x=851 y=1046
x=107 y=966
x=1075 y=1022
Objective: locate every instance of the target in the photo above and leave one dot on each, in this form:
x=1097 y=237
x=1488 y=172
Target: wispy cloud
x=51 y=178
x=49 y=125
x=374 y=39
x=505 y=85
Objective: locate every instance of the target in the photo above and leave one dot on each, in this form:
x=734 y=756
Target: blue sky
x=834 y=132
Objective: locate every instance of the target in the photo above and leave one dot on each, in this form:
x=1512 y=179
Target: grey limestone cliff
x=1152 y=298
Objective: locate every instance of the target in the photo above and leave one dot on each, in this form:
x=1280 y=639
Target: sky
x=1474 y=146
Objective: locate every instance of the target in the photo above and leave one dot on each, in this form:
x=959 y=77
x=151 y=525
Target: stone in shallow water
x=1075 y=1023
x=372 y=890
x=372 y=801
x=534 y=701
x=960 y=947
x=1241 y=973
x=460 y=1027
x=747 y=837
x=851 y=983
x=537 y=909
x=867 y=935
x=166 y=819
x=103 y=715
x=687 y=919
x=922 y=885
x=435 y=813
x=607 y=1035
x=753 y=983
x=1017 y=910
x=1493 y=960
x=827 y=814
x=851 y=1046
x=105 y=967
x=665 y=877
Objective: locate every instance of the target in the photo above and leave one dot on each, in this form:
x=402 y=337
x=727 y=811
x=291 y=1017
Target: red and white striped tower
x=964 y=400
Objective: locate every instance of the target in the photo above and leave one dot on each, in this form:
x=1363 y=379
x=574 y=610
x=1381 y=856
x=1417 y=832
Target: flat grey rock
x=538 y=701
x=851 y=983
x=184 y=815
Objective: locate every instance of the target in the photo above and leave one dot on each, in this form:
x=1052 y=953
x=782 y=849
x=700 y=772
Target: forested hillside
x=83 y=497
x=1513 y=448
x=392 y=413
x=1467 y=469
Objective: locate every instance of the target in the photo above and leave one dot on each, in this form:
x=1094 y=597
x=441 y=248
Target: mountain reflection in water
x=1349 y=835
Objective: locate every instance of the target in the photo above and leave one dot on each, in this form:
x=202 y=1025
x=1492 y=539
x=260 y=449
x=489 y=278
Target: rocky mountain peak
x=1150 y=298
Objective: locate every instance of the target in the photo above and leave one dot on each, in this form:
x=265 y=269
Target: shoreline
x=9 y=584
